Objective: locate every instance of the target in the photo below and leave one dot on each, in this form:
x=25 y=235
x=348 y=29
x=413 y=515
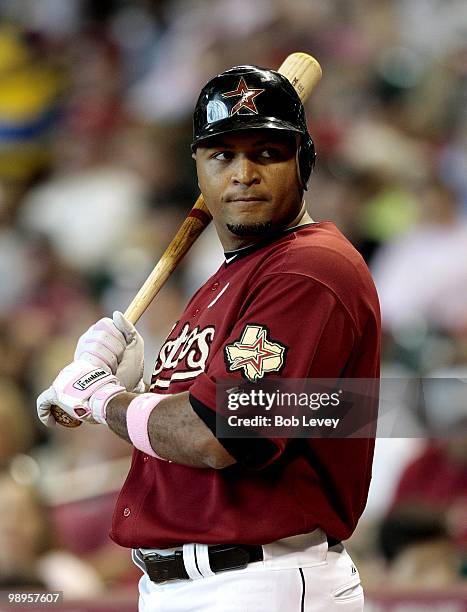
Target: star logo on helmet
x=255 y=353
x=247 y=98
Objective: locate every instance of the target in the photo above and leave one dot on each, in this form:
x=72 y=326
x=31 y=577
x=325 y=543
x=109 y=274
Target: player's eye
x=222 y=155
x=270 y=153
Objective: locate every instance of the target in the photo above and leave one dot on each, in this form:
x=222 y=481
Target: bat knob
x=63 y=418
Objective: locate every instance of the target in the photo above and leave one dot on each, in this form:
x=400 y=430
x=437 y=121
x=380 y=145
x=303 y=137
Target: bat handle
x=197 y=220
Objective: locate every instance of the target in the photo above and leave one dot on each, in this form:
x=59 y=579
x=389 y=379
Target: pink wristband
x=137 y=417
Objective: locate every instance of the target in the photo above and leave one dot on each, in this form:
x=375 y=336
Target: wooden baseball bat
x=304 y=72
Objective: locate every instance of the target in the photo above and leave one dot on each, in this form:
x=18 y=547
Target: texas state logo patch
x=255 y=353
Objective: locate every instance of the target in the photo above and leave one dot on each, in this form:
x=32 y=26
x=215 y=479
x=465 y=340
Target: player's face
x=250 y=184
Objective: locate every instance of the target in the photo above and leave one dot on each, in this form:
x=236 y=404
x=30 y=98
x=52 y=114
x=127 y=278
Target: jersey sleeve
x=291 y=326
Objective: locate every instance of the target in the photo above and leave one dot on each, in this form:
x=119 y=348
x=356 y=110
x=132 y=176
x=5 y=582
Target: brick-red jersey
x=308 y=292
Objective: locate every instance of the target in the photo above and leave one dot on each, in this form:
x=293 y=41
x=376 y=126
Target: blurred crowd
x=96 y=175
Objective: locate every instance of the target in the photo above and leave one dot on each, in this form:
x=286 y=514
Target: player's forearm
x=116 y=414
x=176 y=433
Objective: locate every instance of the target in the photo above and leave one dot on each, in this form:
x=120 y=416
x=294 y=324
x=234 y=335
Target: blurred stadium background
x=96 y=175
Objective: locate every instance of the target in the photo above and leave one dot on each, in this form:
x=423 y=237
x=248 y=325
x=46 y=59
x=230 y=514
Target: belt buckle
x=151 y=556
x=162 y=568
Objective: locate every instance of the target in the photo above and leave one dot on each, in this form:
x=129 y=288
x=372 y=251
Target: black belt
x=222 y=557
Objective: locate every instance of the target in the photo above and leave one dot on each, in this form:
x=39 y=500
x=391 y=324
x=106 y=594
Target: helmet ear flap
x=306 y=157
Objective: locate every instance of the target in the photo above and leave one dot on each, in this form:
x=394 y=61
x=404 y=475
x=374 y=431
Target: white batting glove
x=82 y=391
x=117 y=347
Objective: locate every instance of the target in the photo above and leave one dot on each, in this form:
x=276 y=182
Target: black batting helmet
x=249 y=97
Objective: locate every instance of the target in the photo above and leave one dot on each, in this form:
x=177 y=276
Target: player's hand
x=82 y=391
x=117 y=347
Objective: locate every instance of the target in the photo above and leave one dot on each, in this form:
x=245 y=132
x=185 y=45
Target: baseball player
x=216 y=523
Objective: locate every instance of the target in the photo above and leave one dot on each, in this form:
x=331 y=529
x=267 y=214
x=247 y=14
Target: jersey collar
x=233 y=256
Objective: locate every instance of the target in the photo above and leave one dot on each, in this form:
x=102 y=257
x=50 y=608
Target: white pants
x=297 y=574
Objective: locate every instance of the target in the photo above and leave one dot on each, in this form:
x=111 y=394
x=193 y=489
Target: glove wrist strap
x=99 y=400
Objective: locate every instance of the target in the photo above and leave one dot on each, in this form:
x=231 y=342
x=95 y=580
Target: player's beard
x=251 y=229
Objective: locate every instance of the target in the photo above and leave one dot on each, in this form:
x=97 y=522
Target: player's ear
x=193 y=155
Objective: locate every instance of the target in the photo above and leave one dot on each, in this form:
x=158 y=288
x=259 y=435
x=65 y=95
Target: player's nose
x=245 y=171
